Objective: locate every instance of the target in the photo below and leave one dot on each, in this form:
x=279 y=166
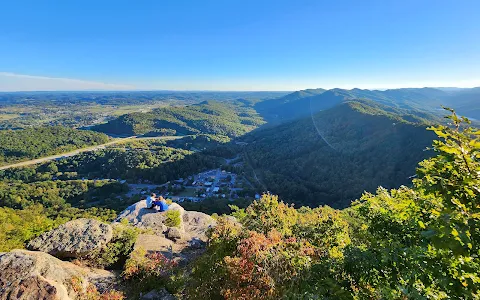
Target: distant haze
x=10 y=82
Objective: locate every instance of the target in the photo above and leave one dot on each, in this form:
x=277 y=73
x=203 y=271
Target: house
x=216 y=189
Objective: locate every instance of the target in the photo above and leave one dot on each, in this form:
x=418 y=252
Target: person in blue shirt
x=161 y=203
x=152 y=202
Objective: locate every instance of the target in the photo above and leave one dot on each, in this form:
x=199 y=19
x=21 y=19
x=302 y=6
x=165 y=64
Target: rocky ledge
x=73 y=239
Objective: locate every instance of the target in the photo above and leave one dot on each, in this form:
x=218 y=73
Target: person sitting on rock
x=151 y=200
x=161 y=203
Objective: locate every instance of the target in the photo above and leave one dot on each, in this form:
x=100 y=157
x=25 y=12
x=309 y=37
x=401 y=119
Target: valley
x=344 y=165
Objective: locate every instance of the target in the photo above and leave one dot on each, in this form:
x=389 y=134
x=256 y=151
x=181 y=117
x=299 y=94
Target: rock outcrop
x=193 y=224
x=182 y=242
x=38 y=275
x=73 y=239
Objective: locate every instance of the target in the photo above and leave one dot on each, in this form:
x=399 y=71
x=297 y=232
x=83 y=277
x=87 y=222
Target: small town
x=215 y=183
x=212 y=183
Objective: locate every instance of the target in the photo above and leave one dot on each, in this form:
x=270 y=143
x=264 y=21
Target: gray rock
x=73 y=239
x=183 y=243
x=37 y=275
x=158 y=295
x=197 y=244
x=174 y=233
x=196 y=224
x=134 y=213
x=153 y=221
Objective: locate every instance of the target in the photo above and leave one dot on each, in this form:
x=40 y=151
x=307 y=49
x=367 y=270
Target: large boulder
x=196 y=224
x=73 y=239
x=37 y=275
x=134 y=213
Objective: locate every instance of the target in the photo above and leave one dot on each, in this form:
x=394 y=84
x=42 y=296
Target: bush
x=116 y=252
x=90 y=292
x=173 y=218
x=146 y=271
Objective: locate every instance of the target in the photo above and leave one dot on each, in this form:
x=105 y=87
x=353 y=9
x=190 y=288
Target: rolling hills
x=211 y=117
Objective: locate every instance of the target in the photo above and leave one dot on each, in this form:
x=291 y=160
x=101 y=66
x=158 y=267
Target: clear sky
x=238 y=45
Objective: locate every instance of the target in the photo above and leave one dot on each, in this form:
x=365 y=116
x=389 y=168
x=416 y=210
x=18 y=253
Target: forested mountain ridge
x=335 y=155
x=17 y=145
x=427 y=101
x=210 y=117
x=269 y=105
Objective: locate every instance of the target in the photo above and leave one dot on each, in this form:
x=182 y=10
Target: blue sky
x=238 y=45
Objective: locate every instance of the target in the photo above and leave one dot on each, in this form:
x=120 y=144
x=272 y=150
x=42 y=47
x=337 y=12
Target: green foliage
x=58 y=195
x=268 y=213
x=18 y=145
x=172 y=218
x=116 y=252
x=19 y=226
x=423 y=242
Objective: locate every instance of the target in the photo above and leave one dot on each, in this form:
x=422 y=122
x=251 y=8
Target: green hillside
x=210 y=117
x=332 y=157
x=18 y=145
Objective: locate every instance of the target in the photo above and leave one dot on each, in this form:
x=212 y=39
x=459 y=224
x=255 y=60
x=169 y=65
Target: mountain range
x=427 y=101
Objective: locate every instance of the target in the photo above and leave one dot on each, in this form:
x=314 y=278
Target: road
x=75 y=152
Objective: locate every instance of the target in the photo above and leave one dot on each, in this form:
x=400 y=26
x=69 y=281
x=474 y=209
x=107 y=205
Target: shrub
x=172 y=218
x=116 y=252
x=142 y=265
x=90 y=292
x=146 y=271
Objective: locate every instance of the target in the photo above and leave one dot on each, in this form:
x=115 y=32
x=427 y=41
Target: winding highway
x=75 y=152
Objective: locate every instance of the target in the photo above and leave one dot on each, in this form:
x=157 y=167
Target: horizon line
x=229 y=91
